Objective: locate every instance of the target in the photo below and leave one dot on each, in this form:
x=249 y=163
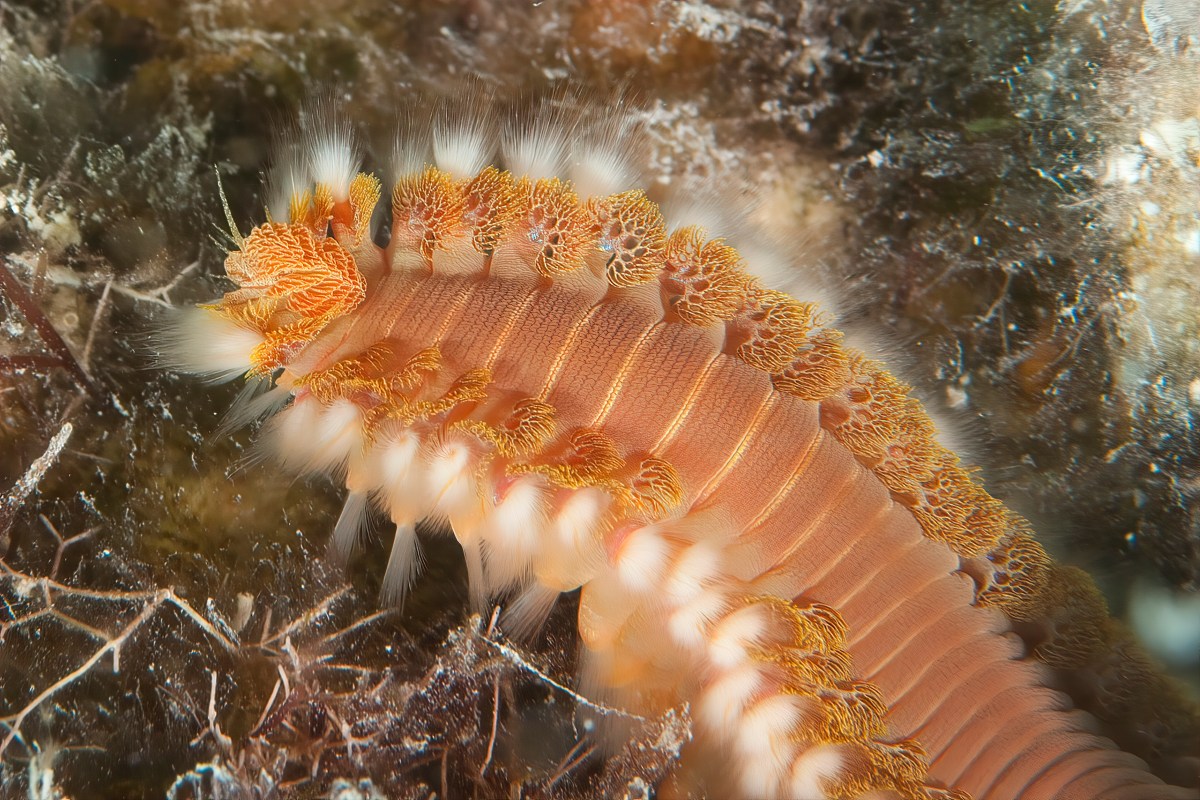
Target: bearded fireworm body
x=761 y=520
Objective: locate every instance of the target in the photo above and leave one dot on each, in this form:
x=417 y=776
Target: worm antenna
x=233 y=229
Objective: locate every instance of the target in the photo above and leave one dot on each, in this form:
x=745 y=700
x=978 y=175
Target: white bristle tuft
x=732 y=637
x=642 y=558
x=290 y=431
x=404 y=564
x=468 y=539
x=595 y=665
x=767 y=727
x=722 y=703
x=288 y=176
x=202 y=342
x=605 y=605
x=332 y=150
x=710 y=213
x=767 y=264
x=574 y=551
x=771 y=264
x=309 y=436
x=763 y=775
x=411 y=149
x=397 y=472
x=815 y=768
x=512 y=531
x=408 y=158
x=338 y=432
x=539 y=148
x=256 y=401
x=602 y=157
x=598 y=173
x=464 y=137
x=350 y=528
x=462 y=153
x=451 y=476
x=526 y=615
x=697 y=566
x=577 y=522
x=762 y=778
x=690 y=623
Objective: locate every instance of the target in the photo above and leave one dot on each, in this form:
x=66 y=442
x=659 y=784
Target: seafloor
x=1008 y=195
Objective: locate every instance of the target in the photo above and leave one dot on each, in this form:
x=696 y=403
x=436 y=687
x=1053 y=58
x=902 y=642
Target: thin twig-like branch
x=358 y=624
x=495 y=725
x=29 y=361
x=161 y=295
x=519 y=661
x=200 y=620
x=63 y=543
x=29 y=307
x=32 y=477
x=308 y=618
x=270 y=703
x=112 y=646
x=97 y=321
x=49 y=586
x=47 y=589
x=576 y=756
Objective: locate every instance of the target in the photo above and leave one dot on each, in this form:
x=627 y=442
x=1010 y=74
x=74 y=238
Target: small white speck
x=124 y=412
x=1167 y=622
x=1125 y=167
x=1153 y=142
x=956 y=398
x=1191 y=241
